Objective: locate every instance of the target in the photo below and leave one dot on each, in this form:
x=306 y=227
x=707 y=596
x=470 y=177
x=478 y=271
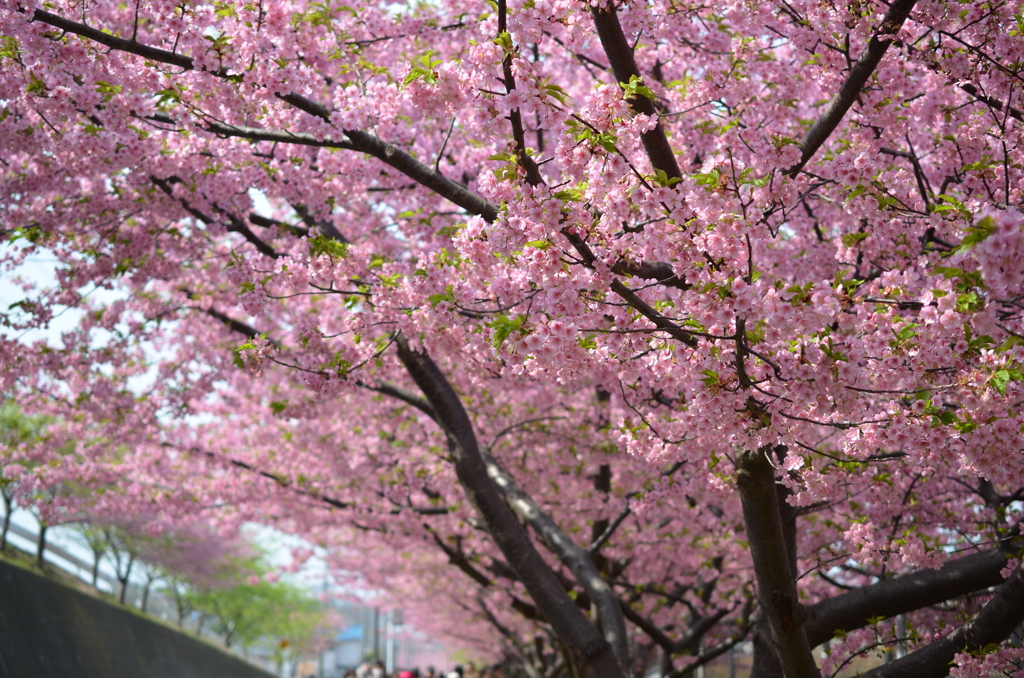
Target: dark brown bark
x=755 y=478
x=823 y=127
x=623 y=63
x=590 y=652
x=766 y=661
x=579 y=562
x=8 y=503
x=41 y=546
x=899 y=595
x=994 y=624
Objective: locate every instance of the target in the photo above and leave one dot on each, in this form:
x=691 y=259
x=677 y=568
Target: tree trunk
x=766 y=661
x=755 y=478
x=124 y=579
x=589 y=650
x=41 y=546
x=7 y=520
x=95 y=568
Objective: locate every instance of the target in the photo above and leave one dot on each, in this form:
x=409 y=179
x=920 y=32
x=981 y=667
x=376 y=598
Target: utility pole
x=389 y=642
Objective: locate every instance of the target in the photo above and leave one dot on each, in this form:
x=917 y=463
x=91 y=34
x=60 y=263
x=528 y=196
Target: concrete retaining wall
x=48 y=630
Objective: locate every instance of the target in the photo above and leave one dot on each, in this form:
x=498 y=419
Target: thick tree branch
x=990 y=101
x=823 y=127
x=890 y=597
x=993 y=624
x=623 y=63
x=755 y=478
x=405 y=396
x=112 y=41
x=570 y=554
x=591 y=653
x=358 y=140
x=265 y=222
x=237 y=325
x=234 y=224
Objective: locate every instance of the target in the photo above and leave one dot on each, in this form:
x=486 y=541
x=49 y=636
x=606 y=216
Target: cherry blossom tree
x=652 y=325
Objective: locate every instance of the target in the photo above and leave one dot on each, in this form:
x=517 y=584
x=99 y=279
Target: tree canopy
x=649 y=326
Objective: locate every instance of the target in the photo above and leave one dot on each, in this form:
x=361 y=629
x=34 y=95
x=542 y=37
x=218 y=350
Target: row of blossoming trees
x=206 y=581
x=642 y=325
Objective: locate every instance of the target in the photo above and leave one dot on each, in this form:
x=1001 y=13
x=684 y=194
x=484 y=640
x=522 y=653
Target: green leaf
x=340 y=365
x=906 y=333
x=965 y=425
x=860 y=189
x=636 y=87
x=832 y=353
x=976 y=234
x=504 y=40
x=555 y=92
x=447 y=295
x=854 y=239
x=391 y=280
x=570 y=194
x=424 y=68
x=35 y=85
x=661 y=178
x=9 y=47
x=321 y=245
x=504 y=326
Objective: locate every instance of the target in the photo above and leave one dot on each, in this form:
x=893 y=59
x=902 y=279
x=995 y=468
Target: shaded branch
x=890 y=597
x=237 y=325
x=823 y=127
x=623 y=64
x=993 y=624
x=234 y=224
x=603 y=538
x=590 y=652
x=570 y=554
x=402 y=394
x=990 y=101
x=265 y=222
x=755 y=479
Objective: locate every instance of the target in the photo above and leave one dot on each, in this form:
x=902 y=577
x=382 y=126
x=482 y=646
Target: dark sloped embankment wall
x=48 y=630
